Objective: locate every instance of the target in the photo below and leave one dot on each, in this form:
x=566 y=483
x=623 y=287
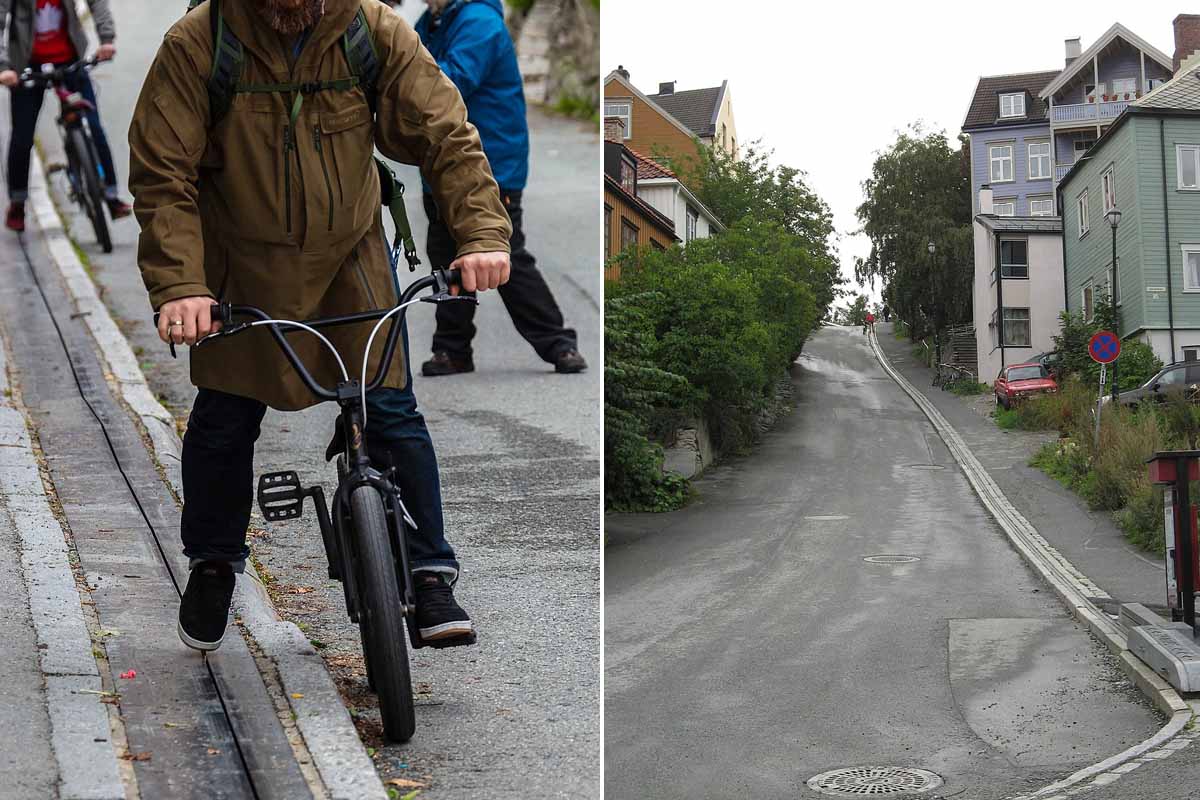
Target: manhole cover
x=874 y=782
x=891 y=559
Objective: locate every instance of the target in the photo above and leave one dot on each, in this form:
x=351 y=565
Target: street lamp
x=937 y=329
x=1114 y=219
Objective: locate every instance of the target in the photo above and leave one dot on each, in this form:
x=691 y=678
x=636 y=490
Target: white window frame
x=1028 y=320
x=1189 y=249
x=1013 y=110
x=1024 y=277
x=691 y=224
x=1108 y=186
x=1049 y=212
x=1030 y=158
x=1131 y=82
x=1191 y=151
x=626 y=117
x=1010 y=204
x=993 y=160
x=1087 y=301
x=1081 y=205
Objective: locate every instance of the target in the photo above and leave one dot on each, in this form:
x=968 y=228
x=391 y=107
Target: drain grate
x=874 y=782
x=891 y=559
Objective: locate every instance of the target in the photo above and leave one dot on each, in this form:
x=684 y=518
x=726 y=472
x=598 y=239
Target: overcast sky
x=828 y=84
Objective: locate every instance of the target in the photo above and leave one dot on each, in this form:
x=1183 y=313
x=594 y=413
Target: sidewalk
x=1089 y=539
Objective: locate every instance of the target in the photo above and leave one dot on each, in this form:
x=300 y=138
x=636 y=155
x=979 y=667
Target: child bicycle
x=84 y=173
x=366 y=536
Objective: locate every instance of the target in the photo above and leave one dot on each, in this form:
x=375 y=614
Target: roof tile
x=985 y=106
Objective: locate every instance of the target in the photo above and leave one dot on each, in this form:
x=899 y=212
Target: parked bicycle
x=84 y=173
x=366 y=536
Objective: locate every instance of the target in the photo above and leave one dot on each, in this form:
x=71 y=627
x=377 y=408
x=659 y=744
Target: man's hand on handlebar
x=9 y=78
x=481 y=271
x=186 y=320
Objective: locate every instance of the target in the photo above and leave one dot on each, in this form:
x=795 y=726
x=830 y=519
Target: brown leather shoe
x=569 y=361
x=443 y=363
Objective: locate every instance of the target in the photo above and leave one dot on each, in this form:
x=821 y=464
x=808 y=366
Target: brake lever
x=441 y=290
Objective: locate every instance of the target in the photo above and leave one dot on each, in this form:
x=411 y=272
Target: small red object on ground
x=130 y=675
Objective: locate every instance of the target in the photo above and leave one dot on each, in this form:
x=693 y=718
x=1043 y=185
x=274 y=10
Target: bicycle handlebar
x=439 y=280
x=29 y=78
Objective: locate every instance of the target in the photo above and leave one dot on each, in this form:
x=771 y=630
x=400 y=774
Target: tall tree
x=919 y=193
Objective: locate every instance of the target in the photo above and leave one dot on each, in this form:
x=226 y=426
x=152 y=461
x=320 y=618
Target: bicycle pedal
x=280 y=495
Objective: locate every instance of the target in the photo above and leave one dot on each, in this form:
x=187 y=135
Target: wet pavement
x=749 y=645
x=519 y=448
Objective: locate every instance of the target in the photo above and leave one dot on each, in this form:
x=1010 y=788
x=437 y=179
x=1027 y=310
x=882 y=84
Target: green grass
x=578 y=108
x=1007 y=418
x=967 y=387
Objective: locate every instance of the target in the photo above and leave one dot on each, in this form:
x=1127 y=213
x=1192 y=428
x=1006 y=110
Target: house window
x=1014 y=258
x=629 y=176
x=625 y=112
x=1016 y=327
x=1191 y=267
x=629 y=234
x=1041 y=206
x=1191 y=353
x=1039 y=160
x=1001 y=156
x=1005 y=208
x=1080 y=147
x=1123 y=86
x=657 y=245
x=1154 y=83
x=1012 y=105
x=607 y=232
x=1188 y=156
x=1084 y=222
x=1109 y=184
x=1088 y=302
x=693 y=219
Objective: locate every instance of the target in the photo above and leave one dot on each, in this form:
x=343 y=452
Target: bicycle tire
x=93 y=192
x=380 y=610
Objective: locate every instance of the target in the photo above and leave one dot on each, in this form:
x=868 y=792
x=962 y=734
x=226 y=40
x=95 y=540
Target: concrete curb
x=79 y=727
x=329 y=733
x=1074 y=588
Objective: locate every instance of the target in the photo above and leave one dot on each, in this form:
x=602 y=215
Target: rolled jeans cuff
x=239 y=566
x=441 y=566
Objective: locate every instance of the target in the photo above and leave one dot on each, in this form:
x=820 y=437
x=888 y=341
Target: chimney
x=624 y=73
x=1073 y=48
x=1187 y=37
x=986 y=206
x=666 y=88
x=614 y=129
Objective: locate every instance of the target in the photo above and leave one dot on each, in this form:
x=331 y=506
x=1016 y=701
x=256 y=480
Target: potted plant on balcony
x=1127 y=95
x=1091 y=98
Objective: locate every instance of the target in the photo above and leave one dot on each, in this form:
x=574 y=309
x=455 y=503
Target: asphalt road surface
x=518 y=715
x=749 y=646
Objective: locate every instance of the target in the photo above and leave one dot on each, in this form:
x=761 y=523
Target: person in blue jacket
x=472 y=46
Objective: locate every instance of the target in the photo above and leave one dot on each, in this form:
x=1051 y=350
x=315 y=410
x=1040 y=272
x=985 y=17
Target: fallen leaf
x=108 y=632
x=405 y=783
x=144 y=756
x=170 y=724
x=212 y=751
x=297 y=696
x=129 y=675
x=411 y=795
x=102 y=694
x=302 y=590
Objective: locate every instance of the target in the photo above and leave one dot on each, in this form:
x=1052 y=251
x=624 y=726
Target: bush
x=967 y=387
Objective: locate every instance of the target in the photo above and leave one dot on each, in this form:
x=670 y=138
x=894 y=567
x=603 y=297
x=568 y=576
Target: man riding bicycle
x=270 y=196
x=49 y=32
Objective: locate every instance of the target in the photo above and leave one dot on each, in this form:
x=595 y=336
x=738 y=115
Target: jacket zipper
x=287 y=174
x=325 y=170
x=362 y=276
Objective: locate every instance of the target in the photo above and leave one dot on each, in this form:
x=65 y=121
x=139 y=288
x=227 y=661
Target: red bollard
x=1176 y=469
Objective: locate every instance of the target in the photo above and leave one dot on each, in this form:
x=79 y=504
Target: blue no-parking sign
x=1104 y=347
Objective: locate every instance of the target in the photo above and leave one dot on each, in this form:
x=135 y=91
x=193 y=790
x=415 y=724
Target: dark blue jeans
x=218 y=473
x=26 y=106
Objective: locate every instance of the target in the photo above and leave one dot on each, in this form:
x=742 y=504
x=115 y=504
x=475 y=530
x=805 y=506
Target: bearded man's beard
x=290 y=17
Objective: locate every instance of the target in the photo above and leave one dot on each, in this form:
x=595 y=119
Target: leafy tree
x=857 y=313
x=919 y=193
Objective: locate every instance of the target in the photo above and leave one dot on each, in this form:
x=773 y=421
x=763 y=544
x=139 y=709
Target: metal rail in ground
x=195 y=726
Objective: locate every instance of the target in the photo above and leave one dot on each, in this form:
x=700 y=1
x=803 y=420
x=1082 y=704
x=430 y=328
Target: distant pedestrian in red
x=870 y=321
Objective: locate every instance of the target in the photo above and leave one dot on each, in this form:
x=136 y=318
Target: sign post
x=1175 y=470
x=1104 y=347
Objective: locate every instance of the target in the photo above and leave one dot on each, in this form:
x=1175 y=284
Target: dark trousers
x=218 y=473
x=530 y=304
x=26 y=106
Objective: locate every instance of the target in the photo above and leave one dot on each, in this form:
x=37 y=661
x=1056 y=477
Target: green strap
x=300 y=90
x=404 y=236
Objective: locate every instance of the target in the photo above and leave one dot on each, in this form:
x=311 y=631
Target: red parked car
x=1020 y=381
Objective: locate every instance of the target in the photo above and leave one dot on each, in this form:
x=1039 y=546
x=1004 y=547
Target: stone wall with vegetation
x=558 y=46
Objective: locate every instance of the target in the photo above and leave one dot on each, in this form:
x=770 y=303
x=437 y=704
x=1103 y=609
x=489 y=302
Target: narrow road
x=749 y=646
x=519 y=448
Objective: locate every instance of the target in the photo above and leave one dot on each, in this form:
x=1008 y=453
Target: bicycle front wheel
x=91 y=191
x=384 y=641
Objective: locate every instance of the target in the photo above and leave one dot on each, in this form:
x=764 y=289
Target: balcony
x=1060 y=171
x=1085 y=113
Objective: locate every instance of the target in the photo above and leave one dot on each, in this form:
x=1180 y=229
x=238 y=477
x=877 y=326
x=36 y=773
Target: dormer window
x=1012 y=105
x=628 y=175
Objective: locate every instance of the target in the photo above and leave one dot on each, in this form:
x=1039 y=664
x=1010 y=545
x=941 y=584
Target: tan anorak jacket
x=227 y=212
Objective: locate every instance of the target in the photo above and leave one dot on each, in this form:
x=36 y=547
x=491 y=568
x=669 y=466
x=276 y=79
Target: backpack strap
x=228 y=61
x=359 y=46
x=392 y=196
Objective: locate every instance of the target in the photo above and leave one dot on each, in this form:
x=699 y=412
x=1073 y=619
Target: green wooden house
x=1147 y=167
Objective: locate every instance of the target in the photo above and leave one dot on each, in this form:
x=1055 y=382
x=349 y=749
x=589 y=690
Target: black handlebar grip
x=454 y=277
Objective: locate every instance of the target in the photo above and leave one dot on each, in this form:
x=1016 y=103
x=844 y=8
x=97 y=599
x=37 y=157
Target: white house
x=1018 y=289
x=662 y=189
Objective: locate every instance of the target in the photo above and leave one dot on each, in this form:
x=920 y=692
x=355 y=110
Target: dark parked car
x=1020 y=381
x=1050 y=360
x=1177 y=377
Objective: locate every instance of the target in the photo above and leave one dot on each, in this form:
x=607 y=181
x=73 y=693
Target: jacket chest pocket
x=342 y=146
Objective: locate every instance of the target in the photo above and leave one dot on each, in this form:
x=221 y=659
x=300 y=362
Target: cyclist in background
x=868 y=321
x=49 y=32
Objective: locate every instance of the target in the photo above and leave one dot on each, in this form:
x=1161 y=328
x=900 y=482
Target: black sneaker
x=205 y=606
x=440 y=620
x=443 y=363
x=569 y=361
